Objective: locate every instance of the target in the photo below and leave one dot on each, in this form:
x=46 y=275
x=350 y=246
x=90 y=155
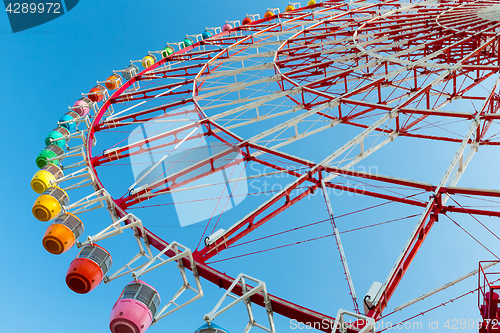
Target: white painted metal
x=92 y=201
x=180 y=252
x=443 y=287
x=82 y=173
x=256 y=138
x=370 y=296
x=452 y=171
x=339 y=243
x=248 y=291
x=114 y=229
x=153 y=262
x=210 y=239
x=430 y=204
x=326 y=161
x=341 y=324
x=161 y=160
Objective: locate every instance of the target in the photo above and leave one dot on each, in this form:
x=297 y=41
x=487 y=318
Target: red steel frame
x=301 y=66
x=488 y=284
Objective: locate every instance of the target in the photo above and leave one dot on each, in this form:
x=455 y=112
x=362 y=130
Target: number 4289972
x=41 y=8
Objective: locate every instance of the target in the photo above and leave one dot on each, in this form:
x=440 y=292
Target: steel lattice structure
x=388 y=70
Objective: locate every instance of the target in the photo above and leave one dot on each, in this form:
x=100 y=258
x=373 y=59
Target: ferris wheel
x=315 y=146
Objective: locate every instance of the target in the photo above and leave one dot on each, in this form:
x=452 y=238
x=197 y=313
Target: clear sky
x=45 y=69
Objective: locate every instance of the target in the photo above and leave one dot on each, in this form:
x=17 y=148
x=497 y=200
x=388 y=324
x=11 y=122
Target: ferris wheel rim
x=212 y=274
x=103 y=109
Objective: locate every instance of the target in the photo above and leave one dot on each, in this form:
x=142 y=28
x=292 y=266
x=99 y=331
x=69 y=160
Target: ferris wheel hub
x=490 y=13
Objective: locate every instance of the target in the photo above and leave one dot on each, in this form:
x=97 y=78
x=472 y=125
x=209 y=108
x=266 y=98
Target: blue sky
x=46 y=68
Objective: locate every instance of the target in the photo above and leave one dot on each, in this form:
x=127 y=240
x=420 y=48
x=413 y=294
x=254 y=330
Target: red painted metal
x=488 y=298
x=349 y=81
